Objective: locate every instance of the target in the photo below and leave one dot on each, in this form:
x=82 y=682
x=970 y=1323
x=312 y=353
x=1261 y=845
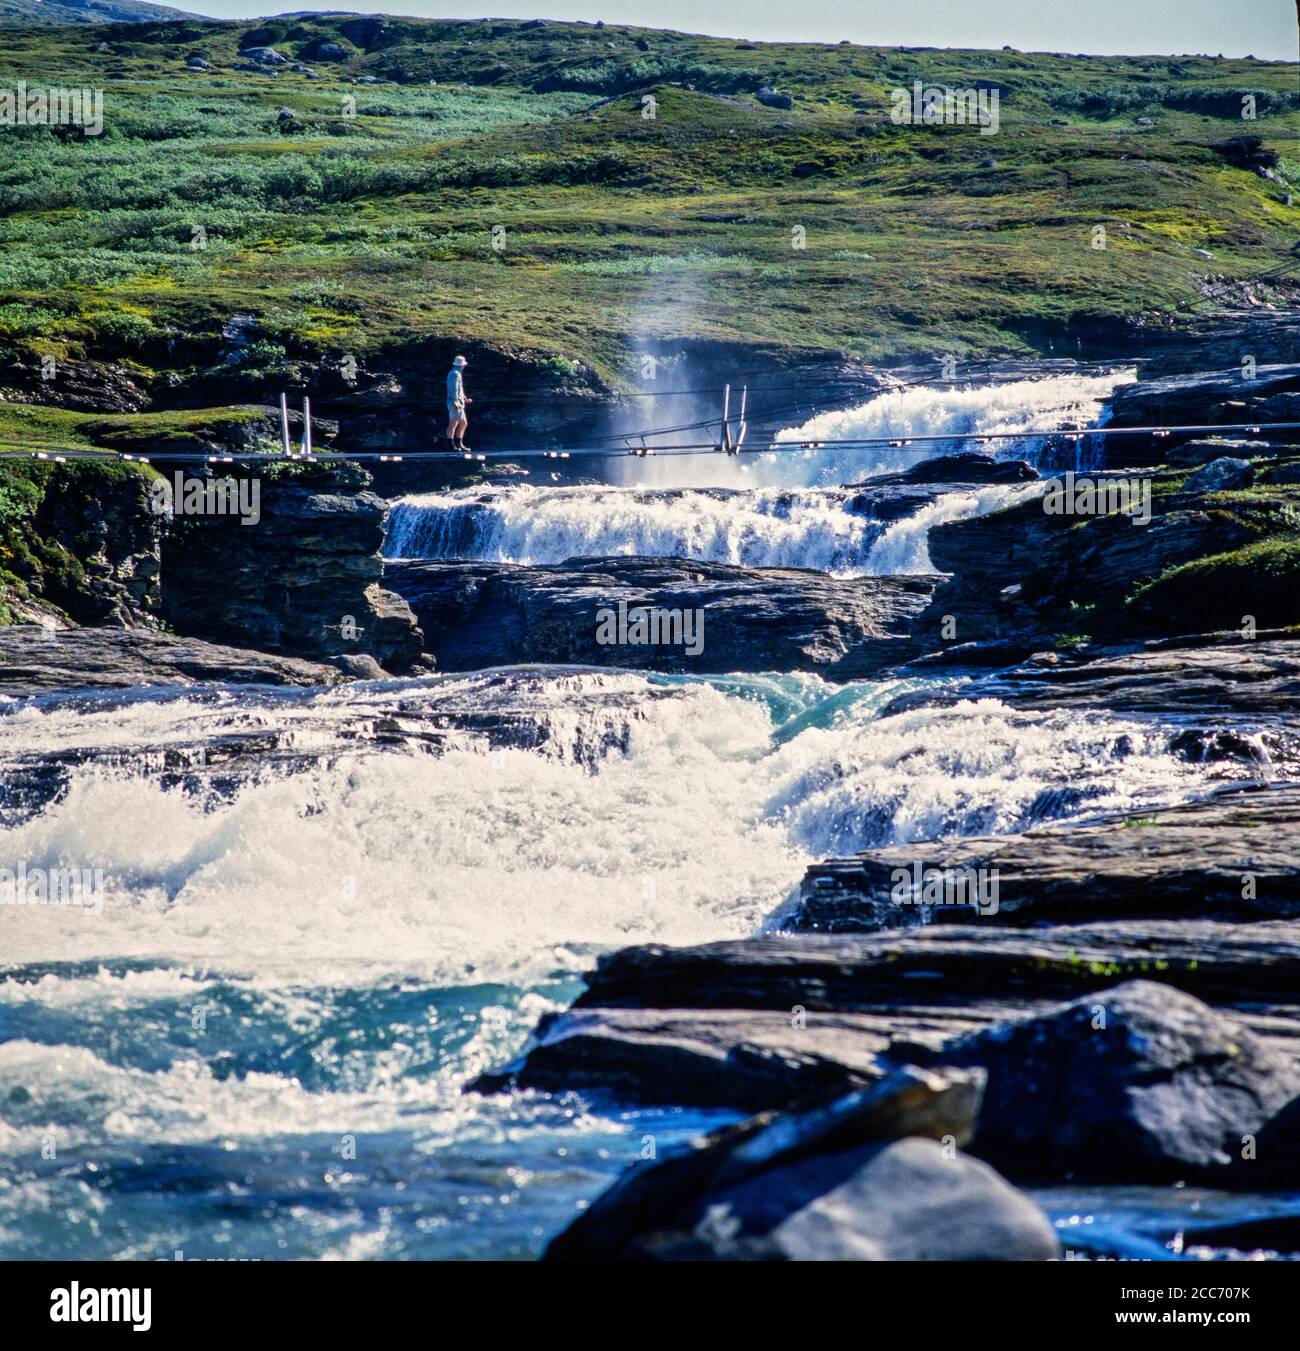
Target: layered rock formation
x=477 y=615
x=38 y=658
x=304 y=580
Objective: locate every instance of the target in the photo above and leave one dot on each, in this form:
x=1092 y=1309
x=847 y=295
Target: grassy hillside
x=344 y=202
x=51 y=13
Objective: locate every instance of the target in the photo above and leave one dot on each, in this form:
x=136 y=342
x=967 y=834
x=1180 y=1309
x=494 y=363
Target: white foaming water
x=1016 y=406
x=975 y=768
x=774 y=510
x=523 y=524
x=905 y=546
x=509 y=865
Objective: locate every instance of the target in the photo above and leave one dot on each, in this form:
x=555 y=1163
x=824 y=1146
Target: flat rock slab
x=749 y=1059
x=764 y=1022
x=1234 y=856
x=477 y=615
x=754 y=1059
x=1220 y=963
x=35 y=660
x=1260 y=677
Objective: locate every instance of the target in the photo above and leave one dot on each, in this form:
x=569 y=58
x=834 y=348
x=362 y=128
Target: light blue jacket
x=455 y=387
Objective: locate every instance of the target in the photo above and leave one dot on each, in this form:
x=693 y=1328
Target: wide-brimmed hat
x=460 y=361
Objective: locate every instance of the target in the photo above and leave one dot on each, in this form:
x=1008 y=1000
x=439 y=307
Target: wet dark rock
x=477 y=615
x=1201 y=398
x=35 y=659
x=305 y=579
x=1258 y=677
x=967 y=467
x=1235 y=856
x=288 y=730
x=96 y=545
x=1137 y=1083
x=1283 y=407
x=1221 y=475
x=1218 y=962
x=742 y=1058
x=860 y=1177
x=1016 y=572
x=358 y=665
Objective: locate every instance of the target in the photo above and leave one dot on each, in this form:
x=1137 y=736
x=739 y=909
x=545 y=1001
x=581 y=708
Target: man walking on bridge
x=456 y=401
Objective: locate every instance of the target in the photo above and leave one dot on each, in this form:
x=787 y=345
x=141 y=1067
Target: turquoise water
x=331 y=1124
x=257 y=1045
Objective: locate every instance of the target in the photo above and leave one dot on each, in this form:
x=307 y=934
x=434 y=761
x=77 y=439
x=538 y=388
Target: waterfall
x=778 y=509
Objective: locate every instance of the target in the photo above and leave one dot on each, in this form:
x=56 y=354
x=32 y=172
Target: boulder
x=264 y=56
x=1221 y=475
x=862 y=1177
x=715 y=1025
x=1248 y=152
x=771 y=99
x=1139 y=1083
x=322 y=49
x=359 y=666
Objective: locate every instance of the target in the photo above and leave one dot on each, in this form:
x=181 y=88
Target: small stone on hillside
x=1220 y=475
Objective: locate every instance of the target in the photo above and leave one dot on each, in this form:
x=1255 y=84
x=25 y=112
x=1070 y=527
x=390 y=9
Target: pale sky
x=1263 y=28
